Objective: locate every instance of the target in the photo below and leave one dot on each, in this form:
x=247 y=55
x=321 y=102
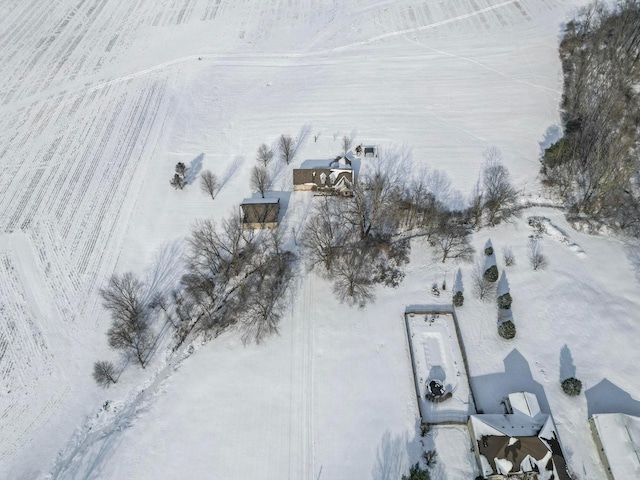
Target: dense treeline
x=236 y=278
x=594 y=166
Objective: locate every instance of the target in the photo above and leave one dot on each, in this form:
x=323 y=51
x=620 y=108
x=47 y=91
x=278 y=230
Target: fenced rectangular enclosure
x=441 y=378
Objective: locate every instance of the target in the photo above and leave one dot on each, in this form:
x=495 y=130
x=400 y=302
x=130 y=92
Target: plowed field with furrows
x=30 y=384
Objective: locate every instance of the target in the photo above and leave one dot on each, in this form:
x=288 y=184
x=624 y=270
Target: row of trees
x=285 y=148
x=364 y=240
x=594 y=166
x=235 y=278
x=260 y=178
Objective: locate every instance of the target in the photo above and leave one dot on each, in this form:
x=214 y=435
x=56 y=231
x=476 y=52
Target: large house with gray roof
x=520 y=444
x=328 y=177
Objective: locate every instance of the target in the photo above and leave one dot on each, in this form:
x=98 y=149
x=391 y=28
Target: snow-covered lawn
x=99 y=102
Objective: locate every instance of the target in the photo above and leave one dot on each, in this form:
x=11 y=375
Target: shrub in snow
x=430 y=457
x=537 y=259
x=424 y=429
x=458 y=299
x=572 y=386
x=507 y=330
x=491 y=273
x=504 y=301
x=416 y=472
x=488 y=248
x=508 y=257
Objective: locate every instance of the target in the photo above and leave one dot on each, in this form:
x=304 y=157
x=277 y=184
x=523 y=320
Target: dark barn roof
x=260 y=210
x=308 y=175
x=493 y=447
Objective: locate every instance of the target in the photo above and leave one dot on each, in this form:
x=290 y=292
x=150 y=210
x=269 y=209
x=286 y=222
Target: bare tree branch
x=104 y=373
x=264 y=155
x=260 y=179
x=286 y=148
x=209 y=183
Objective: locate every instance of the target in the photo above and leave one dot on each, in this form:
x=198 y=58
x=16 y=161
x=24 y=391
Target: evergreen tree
x=416 y=472
x=178 y=181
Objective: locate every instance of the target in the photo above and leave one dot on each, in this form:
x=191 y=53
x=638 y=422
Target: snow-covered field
x=100 y=99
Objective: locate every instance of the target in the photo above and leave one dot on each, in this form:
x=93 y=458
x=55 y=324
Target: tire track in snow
x=307 y=384
x=491 y=69
x=301 y=429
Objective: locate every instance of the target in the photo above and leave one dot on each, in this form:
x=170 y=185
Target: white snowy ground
x=101 y=99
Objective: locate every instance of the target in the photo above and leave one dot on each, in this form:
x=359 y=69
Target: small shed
x=370 y=151
x=260 y=212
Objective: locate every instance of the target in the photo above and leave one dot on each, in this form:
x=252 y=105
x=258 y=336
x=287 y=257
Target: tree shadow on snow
x=490 y=390
x=167 y=269
x=231 y=170
x=632 y=250
x=567 y=368
x=457 y=283
x=301 y=138
x=395 y=454
x=606 y=397
x=194 y=169
x=280 y=175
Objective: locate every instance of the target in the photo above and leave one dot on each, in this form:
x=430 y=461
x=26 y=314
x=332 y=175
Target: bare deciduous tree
x=537 y=259
x=374 y=208
x=324 y=233
x=268 y=300
x=476 y=205
x=499 y=195
x=352 y=276
x=131 y=336
x=452 y=241
x=264 y=155
x=234 y=278
x=104 y=373
x=209 y=183
x=260 y=179
x=130 y=331
x=354 y=238
x=286 y=148
x=346 y=143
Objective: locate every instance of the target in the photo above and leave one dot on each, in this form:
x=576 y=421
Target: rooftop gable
x=525 y=403
x=620 y=438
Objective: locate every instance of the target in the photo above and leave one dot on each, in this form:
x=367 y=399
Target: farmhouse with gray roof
x=329 y=177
